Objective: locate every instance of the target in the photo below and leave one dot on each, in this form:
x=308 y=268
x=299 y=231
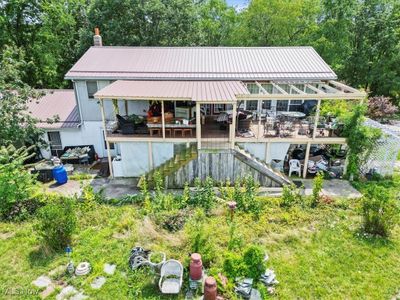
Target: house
x=237 y=110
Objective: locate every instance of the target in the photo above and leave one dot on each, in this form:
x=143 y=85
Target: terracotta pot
x=196 y=267
x=210 y=289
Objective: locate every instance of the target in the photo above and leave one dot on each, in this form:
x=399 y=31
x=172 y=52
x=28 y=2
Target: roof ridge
x=203 y=47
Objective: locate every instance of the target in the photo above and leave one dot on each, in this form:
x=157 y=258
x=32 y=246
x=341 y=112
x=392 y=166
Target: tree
x=217 y=22
x=380 y=107
x=17 y=126
x=276 y=22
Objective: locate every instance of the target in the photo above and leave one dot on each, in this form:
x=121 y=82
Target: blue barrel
x=60 y=174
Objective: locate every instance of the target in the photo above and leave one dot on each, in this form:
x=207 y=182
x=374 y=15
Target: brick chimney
x=97 y=38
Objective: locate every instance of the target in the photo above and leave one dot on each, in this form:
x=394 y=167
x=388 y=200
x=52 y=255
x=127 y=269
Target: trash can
x=60 y=174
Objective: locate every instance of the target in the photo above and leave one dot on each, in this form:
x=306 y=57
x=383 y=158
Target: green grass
x=316 y=253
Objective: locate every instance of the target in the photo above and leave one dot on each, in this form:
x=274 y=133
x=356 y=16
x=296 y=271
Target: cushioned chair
x=125 y=126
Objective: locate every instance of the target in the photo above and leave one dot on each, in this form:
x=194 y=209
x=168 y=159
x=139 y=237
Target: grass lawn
x=316 y=253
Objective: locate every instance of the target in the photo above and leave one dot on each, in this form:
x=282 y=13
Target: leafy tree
x=16 y=183
x=17 y=126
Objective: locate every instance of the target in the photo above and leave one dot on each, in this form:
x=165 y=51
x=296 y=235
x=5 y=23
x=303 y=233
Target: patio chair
x=171 y=277
x=294 y=166
x=125 y=126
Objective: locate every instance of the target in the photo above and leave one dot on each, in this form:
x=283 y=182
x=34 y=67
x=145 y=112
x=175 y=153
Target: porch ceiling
x=201 y=91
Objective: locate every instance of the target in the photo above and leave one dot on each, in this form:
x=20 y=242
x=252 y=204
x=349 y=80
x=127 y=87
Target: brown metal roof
x=212 y=91
x=201 y=63
x=59 y=103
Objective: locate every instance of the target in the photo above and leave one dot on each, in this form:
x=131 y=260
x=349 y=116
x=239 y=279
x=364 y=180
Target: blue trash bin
x=60 y=174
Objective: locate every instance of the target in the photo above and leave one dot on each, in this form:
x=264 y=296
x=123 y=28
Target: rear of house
x=205 y=111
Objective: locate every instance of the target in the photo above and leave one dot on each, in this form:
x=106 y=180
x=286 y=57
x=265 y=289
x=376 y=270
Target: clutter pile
x=142 y=257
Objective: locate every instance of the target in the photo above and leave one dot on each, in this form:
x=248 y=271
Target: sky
x=238 y=3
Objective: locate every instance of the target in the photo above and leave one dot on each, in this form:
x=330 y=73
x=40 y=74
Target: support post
x=233 y=127
x=267 y=156
x=126 y=107
x=316 y=118
x=259 y=106
x=150 y=152
x=162 y=120
x=103 y=116
x=198 y=125
x=306 y=159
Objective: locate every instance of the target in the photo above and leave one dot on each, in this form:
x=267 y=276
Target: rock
x=98 y=282
x=42 y=281
x=48 y=291
x=66 y=292
x=255 y=295
x=57 y=271
x=109 y=269
x=6 y=235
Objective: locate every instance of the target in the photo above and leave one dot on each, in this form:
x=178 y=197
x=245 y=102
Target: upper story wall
x=90 y=108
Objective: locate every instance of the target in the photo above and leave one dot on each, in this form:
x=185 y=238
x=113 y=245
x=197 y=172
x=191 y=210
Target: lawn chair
x=294 y=167
x=171 y=277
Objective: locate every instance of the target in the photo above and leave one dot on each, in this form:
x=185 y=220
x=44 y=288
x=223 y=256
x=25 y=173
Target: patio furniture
x=126 y=127
x=155 y=130
x=294 y=166
x=187 y=130
x=74 y=154
x=176 y=130
x=171 y=277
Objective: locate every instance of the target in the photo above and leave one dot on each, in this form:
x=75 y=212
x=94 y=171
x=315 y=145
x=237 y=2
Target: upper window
x=91 y=88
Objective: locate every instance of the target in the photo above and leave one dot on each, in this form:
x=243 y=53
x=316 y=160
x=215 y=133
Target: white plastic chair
x=171 y=277
x=294 y=166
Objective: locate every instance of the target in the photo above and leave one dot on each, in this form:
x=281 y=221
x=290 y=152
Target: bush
x=317 y=188
x=253 y=258
x=172 y=220
x=57 y=222
x=16 y=183
x=234 y=266
x=245 y=196
x=380 y=211
x=204 y=195
x=291 y=195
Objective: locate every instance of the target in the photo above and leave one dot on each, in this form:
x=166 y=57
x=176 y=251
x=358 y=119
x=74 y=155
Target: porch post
x=126 y=107
x=316 y=118
x=267 y=156
x=233 y=125
x=162 y=120
x=198 y=125
x=306 y=159
x=103 y=116
x=259 y=103
x=150 y=153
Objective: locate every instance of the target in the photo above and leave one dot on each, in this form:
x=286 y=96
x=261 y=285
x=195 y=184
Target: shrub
x=317 y=188
x=172 y=220
x=380 y=211
x=253 y=258
x=245 y=196
x=89 y=198
x=57 y=222
x=16 y=183
x=199 y=238
x=291 y=195
x=204 y=195
x=234 y=266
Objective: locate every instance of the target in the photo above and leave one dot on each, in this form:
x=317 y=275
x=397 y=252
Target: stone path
x=336 y=188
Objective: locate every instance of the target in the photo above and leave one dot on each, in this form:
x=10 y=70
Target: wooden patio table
x=174 y=127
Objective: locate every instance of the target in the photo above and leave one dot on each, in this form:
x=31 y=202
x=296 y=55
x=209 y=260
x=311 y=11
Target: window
x=251 y=104
x=91 y=88
x=266 y=104
x=296 y=105
x=55 y=142
x=282 y=105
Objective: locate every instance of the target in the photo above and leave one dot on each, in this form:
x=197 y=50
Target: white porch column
x=233 y=125
x=316 y=118
x=150 y=153
x=259 y=106
x=198 y=125
x=267 y=156
x=103 y=116
x=162 y=120
x=306 y=159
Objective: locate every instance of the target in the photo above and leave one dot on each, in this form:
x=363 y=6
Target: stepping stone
x=66 y=292
x=255 y=295
x=109 y=269
x=48 y=291
x=42 y=281
x=98 y=282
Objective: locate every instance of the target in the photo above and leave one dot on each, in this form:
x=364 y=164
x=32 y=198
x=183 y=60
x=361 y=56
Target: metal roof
x=215 y=91
x=59 y=103
x=201 y=63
